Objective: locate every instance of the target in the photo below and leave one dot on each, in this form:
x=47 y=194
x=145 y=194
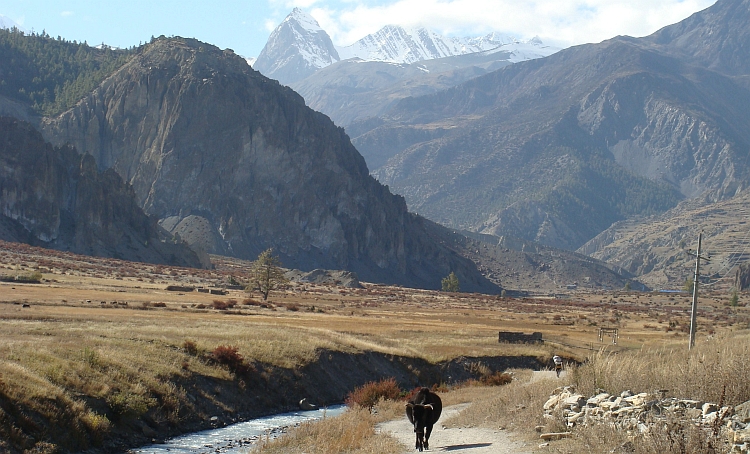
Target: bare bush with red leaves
x=227 y=355
x=370 y=393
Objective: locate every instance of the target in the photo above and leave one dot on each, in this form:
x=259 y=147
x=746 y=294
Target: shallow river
x=237 y=438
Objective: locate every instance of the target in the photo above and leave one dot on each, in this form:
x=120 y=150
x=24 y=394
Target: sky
x=244 y=26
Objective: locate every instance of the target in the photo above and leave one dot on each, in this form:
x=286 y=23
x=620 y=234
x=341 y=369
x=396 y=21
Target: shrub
x=370 y=393
x=160 y=304
x=124 y=403
x=227 y=355
x=293 y=307
x=497 y=379
x=190 y=347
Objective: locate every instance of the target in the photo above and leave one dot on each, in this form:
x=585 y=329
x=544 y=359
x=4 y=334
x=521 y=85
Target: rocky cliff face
x=56 y=198
x=205 y=139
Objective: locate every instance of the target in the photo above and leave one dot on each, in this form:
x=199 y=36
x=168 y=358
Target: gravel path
x=467 y=440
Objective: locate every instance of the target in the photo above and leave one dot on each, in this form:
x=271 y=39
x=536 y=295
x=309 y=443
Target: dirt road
x=468 y=440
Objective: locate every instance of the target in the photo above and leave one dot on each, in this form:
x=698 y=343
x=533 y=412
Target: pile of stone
x=637 y=413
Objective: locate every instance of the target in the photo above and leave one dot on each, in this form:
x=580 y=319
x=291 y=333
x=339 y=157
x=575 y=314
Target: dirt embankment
x=268 y=390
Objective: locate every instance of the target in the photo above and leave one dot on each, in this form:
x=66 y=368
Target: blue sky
x=245 y=25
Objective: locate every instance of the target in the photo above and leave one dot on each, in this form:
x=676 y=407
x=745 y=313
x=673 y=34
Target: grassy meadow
x=100 y=343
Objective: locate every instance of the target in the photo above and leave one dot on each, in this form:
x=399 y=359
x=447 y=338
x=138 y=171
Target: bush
x=190 y=347
x=370 y=393
x=128 y=403
x=293 y=307
x=227 y=355
x=497 y=379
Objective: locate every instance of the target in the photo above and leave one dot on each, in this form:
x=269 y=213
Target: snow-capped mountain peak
x=299 y=47
x=398 y=44
x=303 y=20
x=296 y=48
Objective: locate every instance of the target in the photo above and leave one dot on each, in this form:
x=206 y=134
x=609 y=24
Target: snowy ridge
x=397 y=44
x=298 y=47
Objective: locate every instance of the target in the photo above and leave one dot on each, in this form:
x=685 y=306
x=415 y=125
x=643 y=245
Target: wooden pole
x=694 y=308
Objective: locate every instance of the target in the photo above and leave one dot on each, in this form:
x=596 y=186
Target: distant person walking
x=558 y=364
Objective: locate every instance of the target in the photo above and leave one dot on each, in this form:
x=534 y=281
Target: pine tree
x=450 y=283
x=266 y=274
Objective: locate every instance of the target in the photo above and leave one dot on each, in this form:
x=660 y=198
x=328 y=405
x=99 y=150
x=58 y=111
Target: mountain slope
x=655 y=248
x=54 y=197
x=205 y=139
x=556 y=149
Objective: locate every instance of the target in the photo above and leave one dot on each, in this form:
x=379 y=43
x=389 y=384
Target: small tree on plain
x=266 y=273
x=734 y=299
x=450 y=283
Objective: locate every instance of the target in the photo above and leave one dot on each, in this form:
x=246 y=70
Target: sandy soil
x=466 y=440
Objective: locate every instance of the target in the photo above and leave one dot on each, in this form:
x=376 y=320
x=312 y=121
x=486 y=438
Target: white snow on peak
x=305 y=20
x=398 y=44
x=251 y=60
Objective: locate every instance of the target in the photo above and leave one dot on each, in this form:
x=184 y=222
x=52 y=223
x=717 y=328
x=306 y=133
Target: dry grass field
x=99 y=342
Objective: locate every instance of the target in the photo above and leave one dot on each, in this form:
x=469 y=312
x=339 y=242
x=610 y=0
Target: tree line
x=51 y=75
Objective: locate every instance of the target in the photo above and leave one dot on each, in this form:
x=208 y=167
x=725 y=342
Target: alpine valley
x=514 y=154
x=549 y=147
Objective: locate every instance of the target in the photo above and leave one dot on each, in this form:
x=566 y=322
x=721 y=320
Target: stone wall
x=639 y=413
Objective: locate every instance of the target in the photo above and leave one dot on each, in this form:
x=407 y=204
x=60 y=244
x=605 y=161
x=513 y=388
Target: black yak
x=423 y=411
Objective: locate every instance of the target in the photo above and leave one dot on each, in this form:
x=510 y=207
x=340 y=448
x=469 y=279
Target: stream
x=239 y=437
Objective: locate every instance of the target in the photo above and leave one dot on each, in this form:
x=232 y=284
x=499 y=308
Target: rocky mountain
x=524 y=266
x=56 y=198
x=296 y=49
x=235 y=163
x=654 y=248
x=557 y=149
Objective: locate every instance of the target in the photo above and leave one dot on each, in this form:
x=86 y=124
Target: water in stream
x=236 y=438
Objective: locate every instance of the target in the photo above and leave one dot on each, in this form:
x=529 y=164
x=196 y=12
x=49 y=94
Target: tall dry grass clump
x=714 y=370
x=353 y=432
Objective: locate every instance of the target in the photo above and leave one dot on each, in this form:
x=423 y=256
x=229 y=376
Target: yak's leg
x=420 y=441
x=428 y=431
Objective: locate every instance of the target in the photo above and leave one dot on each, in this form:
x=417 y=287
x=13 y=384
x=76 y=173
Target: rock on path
x=466 y=440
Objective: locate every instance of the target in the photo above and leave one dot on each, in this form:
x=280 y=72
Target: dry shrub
x=293 y=307
x=497 y=379
x=370 y=393
x=352 y=433
x=220 y=305
x=190 y=347
x=228 y=356
x=160 y=304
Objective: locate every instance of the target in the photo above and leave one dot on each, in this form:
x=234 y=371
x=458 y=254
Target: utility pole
x=696 y=277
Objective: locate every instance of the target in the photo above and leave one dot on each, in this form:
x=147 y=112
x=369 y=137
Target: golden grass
x=714 y=370
x=353 y=432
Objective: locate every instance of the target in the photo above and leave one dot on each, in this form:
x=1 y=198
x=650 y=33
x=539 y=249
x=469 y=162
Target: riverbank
x=270 y=390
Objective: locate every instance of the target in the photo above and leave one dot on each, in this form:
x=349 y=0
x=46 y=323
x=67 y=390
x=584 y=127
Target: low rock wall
x=638 y=413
